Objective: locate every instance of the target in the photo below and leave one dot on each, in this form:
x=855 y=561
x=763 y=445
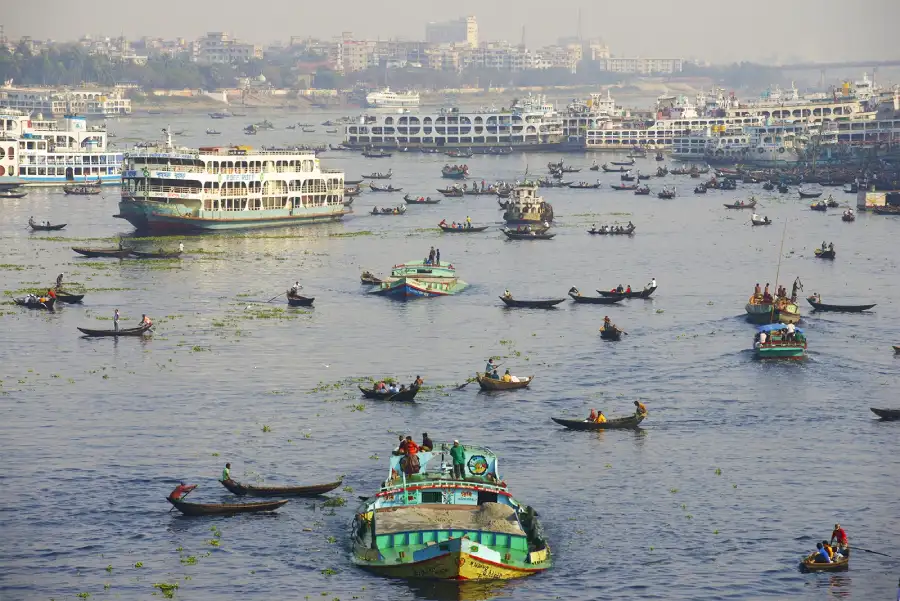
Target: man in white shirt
x=790 y=331
x=762 y=338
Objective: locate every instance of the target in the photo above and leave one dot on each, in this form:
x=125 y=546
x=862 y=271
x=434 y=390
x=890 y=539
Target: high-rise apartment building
x=460 y=31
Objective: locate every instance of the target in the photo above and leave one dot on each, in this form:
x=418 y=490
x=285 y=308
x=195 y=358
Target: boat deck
x=489 y=517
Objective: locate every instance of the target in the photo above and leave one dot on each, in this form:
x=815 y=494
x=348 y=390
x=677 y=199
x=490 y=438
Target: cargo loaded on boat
x=445 y=514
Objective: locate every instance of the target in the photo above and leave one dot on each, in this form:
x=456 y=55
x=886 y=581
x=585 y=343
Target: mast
x=778 y=270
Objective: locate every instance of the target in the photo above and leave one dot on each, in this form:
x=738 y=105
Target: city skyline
x=766 y=31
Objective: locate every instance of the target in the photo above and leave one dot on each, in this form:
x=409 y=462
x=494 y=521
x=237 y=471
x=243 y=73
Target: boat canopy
x=479 y=461
x=776 y=327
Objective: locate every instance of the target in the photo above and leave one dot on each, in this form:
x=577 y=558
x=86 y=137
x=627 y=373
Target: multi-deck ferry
x=530 y=125
x=388 y=99
x=43 y=153
x=169 y=189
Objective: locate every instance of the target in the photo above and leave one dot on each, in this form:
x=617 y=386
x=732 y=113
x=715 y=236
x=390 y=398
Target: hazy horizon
x=763 y=31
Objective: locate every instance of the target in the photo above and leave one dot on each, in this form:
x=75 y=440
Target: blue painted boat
x=419 y=279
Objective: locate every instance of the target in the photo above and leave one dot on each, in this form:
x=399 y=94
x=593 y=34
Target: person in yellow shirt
x=601 y=419
x=507 y=377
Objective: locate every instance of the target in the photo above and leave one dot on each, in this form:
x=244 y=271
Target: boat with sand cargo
x=446 y=514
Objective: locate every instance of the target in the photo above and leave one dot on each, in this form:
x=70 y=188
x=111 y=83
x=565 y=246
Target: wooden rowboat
x=825 y=254
x=406 y=395
x=595 y=300
x=122 y=332
x=47 y=228
x=887 y=414
x=295 y=300
x=194 y=509
x=739 y=205
x=69 y=298
x=36 y=303
x=492 y=384
x=533 y=235
x=612 y=333
x=118 y=253
x=843 y=308
x=314 y=490
x=621 y=423
x=532 y=304
x=463 y=230
x=633 y=294
x=369 y=279
x=838 y=566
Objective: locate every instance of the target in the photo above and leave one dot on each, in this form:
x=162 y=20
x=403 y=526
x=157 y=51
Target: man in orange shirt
x=180 y=491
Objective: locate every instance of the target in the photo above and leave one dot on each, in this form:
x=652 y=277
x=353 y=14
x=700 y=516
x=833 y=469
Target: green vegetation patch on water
x=350 y=234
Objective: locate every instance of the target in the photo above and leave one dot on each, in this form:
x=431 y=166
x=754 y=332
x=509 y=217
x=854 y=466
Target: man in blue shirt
x=489 y=367
x=821 y=555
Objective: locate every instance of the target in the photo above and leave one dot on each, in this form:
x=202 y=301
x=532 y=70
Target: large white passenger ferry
x=388 y=99
x=44 y=153
x=169 y=189
x=529 y=125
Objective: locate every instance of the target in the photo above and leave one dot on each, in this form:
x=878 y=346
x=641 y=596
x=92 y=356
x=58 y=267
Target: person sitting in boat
x=146 y=321
x=640 y=409
x=226 y=473
x=757 y=291
x=601 y=419
x=575 y=291
x=630 y=225
x=593 y=227
x=831 y=246
x=767 y=297
x=426 y=445
x=495 y=375
x=393 y=388
x=607 y=323
x=507 y=294
x=417 y=382
x=489 y=367
x=755 y=217
x=628 y=289
x=50 y=293
x=619 y=289
x=592 y=417
x=31 y=220
x=180 y=491
x=443 y=223
x=507 y=377
x=829 y=549
x=820 y=555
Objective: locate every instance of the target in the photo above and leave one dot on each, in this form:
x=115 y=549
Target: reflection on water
x=461 y=591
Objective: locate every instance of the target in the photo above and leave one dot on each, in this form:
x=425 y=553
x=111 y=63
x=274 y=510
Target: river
x=739 y=469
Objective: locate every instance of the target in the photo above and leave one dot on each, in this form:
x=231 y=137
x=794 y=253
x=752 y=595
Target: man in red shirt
x=839 y=536
x=180 y=491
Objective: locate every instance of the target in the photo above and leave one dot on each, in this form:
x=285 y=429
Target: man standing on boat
x=59 y=280
x=116 y=320
x=226 y=473
x=459 y=460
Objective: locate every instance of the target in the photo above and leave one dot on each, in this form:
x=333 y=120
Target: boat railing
x=167 y=189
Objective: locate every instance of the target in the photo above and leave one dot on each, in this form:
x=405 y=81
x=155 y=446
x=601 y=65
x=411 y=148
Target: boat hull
x=409 y=288
x=158 y=217
x=781 y=352
x=455 y=559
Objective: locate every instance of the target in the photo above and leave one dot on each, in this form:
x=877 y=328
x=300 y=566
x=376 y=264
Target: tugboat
x=443 y=513
x=525 y=207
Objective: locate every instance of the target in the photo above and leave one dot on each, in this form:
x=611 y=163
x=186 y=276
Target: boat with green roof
x=425 y=523
x=416 y=279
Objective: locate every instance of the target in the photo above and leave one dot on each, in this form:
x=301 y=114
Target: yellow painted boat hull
x=455 y=566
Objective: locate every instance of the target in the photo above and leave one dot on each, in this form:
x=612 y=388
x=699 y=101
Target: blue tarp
x=775 y=327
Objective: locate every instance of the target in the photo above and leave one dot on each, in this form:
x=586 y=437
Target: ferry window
x=77 y=170
x=32 y=171
x=42 y=171
x=11 y=153
x=30 y=145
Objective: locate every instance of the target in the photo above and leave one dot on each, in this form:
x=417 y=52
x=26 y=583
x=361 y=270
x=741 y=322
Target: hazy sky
x=715 y=30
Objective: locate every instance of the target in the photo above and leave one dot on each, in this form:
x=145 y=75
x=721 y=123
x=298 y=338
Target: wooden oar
x=870 y=551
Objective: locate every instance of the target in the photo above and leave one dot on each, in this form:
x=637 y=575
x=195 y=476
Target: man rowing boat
x=181 y=491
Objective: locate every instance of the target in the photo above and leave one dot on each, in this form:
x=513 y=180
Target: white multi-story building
x=643 y=66
x=219 y=48
x=56 y=103
x=460 y=31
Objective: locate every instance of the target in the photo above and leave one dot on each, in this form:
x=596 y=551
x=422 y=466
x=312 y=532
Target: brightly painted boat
x=525 y=207
x=167 y=189
x=425 y=524
x=418 y=279
x=777 y=345
x=779 y=310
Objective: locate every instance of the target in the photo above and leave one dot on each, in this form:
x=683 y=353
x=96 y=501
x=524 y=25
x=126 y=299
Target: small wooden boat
x=819 y=206
x=809 y=565
x=620 y=423
x=642 y=191
x=887 y=414
x=69 y=298
x=701 y=189
x=455 y=172
x=388 y=211
x=741 y=205
x=138 y=331
x=352 y=182
x=487 y=383
x=844 y=308
x=82 y=189
x=633 y=294
x=584 y=186
x=622 y=163
x=613 y=169
x=594 y=167
x=195 y=509
x=463 y=230
x=387 y=175
x=117 y=253
x=452 y=192
x=249 y=490
x=159 y=254
x=848 y=217
x=593 y=300
x=40 y=302
x=420 y=200
x=296 y=300
x=623 y=186
x=612 y=333
x=46 y=228
x=627 y=177
x=532 y=304
x=532 y=235
x=389 y=188
x=14 y=193
x=809 y=193
x=406 y=395
x=666 y=194
x=765 y=221
x=625 y=231
x=368 y=279
x=376 y=154
x=825 y=254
